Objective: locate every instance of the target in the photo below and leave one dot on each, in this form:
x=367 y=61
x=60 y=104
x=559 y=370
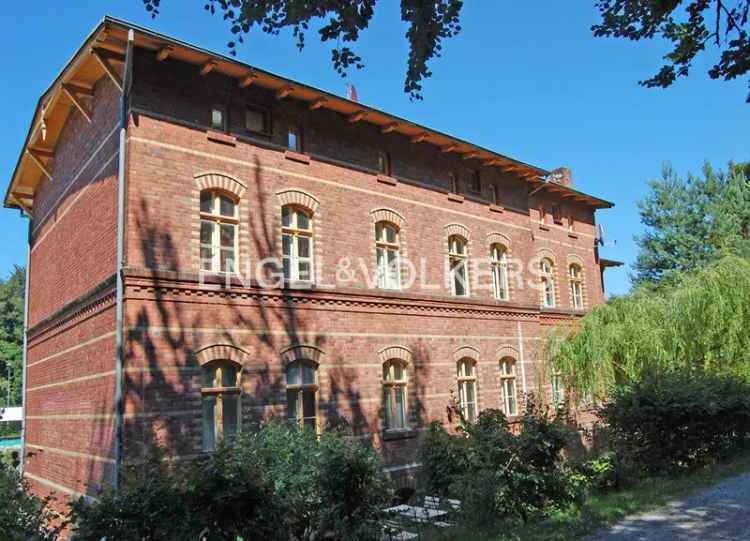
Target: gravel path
x=716 y=514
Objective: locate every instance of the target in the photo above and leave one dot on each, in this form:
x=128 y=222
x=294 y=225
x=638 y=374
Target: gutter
x=24 y=352
x=121 y=178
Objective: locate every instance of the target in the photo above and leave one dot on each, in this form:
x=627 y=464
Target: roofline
x=108 y=21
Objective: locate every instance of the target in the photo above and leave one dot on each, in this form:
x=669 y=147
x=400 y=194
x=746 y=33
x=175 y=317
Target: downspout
x=25 y=343
x=126 y=82
x=523 y=363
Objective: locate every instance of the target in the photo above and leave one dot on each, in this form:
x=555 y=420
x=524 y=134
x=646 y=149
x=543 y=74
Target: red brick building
x=212 y=245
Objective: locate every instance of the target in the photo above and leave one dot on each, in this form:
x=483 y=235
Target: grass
x=599 y=510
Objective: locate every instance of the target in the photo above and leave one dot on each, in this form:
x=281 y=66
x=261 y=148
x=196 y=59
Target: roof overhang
x=609 y=263
x=102 y=54
x=566 y=192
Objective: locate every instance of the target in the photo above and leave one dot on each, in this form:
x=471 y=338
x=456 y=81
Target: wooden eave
x=609 y=263
x=567 y=193
x=107 y=42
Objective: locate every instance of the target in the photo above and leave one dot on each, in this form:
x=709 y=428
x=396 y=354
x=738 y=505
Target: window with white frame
x=458 y=263
x=508 y=386
x=387 y=247
x=302 y=394
x=394 y=395
x=467 y=388
x=558 y=390
x=220 y=397
x=297 y=244
x=218 y=236
x=499 y=261
x=576 y=286
x=218 y=117
x=547 y=270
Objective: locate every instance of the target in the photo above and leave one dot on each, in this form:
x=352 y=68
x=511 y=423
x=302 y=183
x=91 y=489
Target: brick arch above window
x=222 y=352
x=497 y=238
x=387 y=215
x=301 y=352
x=298 y=198
x=574 y=259
x=213 y=180
x=395 y=352
x=545 y=253
x=504 y=352
x=457 y=229
x=466 y=352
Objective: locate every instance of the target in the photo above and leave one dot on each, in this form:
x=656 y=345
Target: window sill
x=572 y=235
x=496 y=208
x=456 y=197
x=298 y=284
x=386 y=179
x=399 y=434
x=297 y=157
x=220 y=137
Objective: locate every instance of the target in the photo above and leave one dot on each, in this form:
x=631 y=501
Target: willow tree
x=699 y=323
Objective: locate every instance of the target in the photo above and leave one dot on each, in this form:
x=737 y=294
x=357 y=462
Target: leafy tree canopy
x=429 y=23
x=690 y=25
x=692 y=222
x=11 y=333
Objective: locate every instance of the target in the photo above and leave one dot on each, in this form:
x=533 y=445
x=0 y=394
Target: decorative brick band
x=223 y=352
x=388 y=215
x=301 y=352
x=299 y=198
x=497 y=238
x=458 y=229
x=466 y=352
x=507 y=351
x=213 y=180
x=395 y=352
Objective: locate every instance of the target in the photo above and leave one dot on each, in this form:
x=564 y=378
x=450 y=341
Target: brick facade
x=176 y=319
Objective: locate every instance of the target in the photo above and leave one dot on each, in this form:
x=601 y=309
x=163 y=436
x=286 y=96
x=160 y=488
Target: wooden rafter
x=247 y=80
x=207 y=67
x=73 y=92
x=471 y=155
x=41 y=152
x=104 y=57
x=449 y=148
x=418 y=138
x=317 y=103
x=283 y=92
x=163 y=53
x=356 y=117
x=493 y=163
x=38 y=162
x=388 y=128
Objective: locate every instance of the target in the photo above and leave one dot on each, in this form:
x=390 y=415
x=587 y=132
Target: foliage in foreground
x=23 y=517
x=278 y=483
x=498 y=475
x=678 y=421
x=702 y=324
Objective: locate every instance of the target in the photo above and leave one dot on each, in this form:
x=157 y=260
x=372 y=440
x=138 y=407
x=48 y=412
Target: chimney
x=562 y=176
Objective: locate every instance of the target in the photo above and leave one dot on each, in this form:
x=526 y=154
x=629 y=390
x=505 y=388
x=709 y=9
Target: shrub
x=24 y=517
x=277 y=483
x=496 y=474
x=677 y=421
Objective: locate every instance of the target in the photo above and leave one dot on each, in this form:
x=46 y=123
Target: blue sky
x=525 y=79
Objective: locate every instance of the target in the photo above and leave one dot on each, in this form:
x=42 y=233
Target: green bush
x=279 y=482
x=24 y=517
x=677 y=421
x=496 y=474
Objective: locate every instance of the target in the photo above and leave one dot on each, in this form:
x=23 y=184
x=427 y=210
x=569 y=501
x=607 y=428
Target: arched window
x=218 y=231
x=467 y=388
x=576 y=286
x=458 y=265
x=302 y=394
x=499 y=263
x=387 y=246
x=220 y=395
x=547 y=282
x=297 y=244
x=508 y=386
x=394 y=394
